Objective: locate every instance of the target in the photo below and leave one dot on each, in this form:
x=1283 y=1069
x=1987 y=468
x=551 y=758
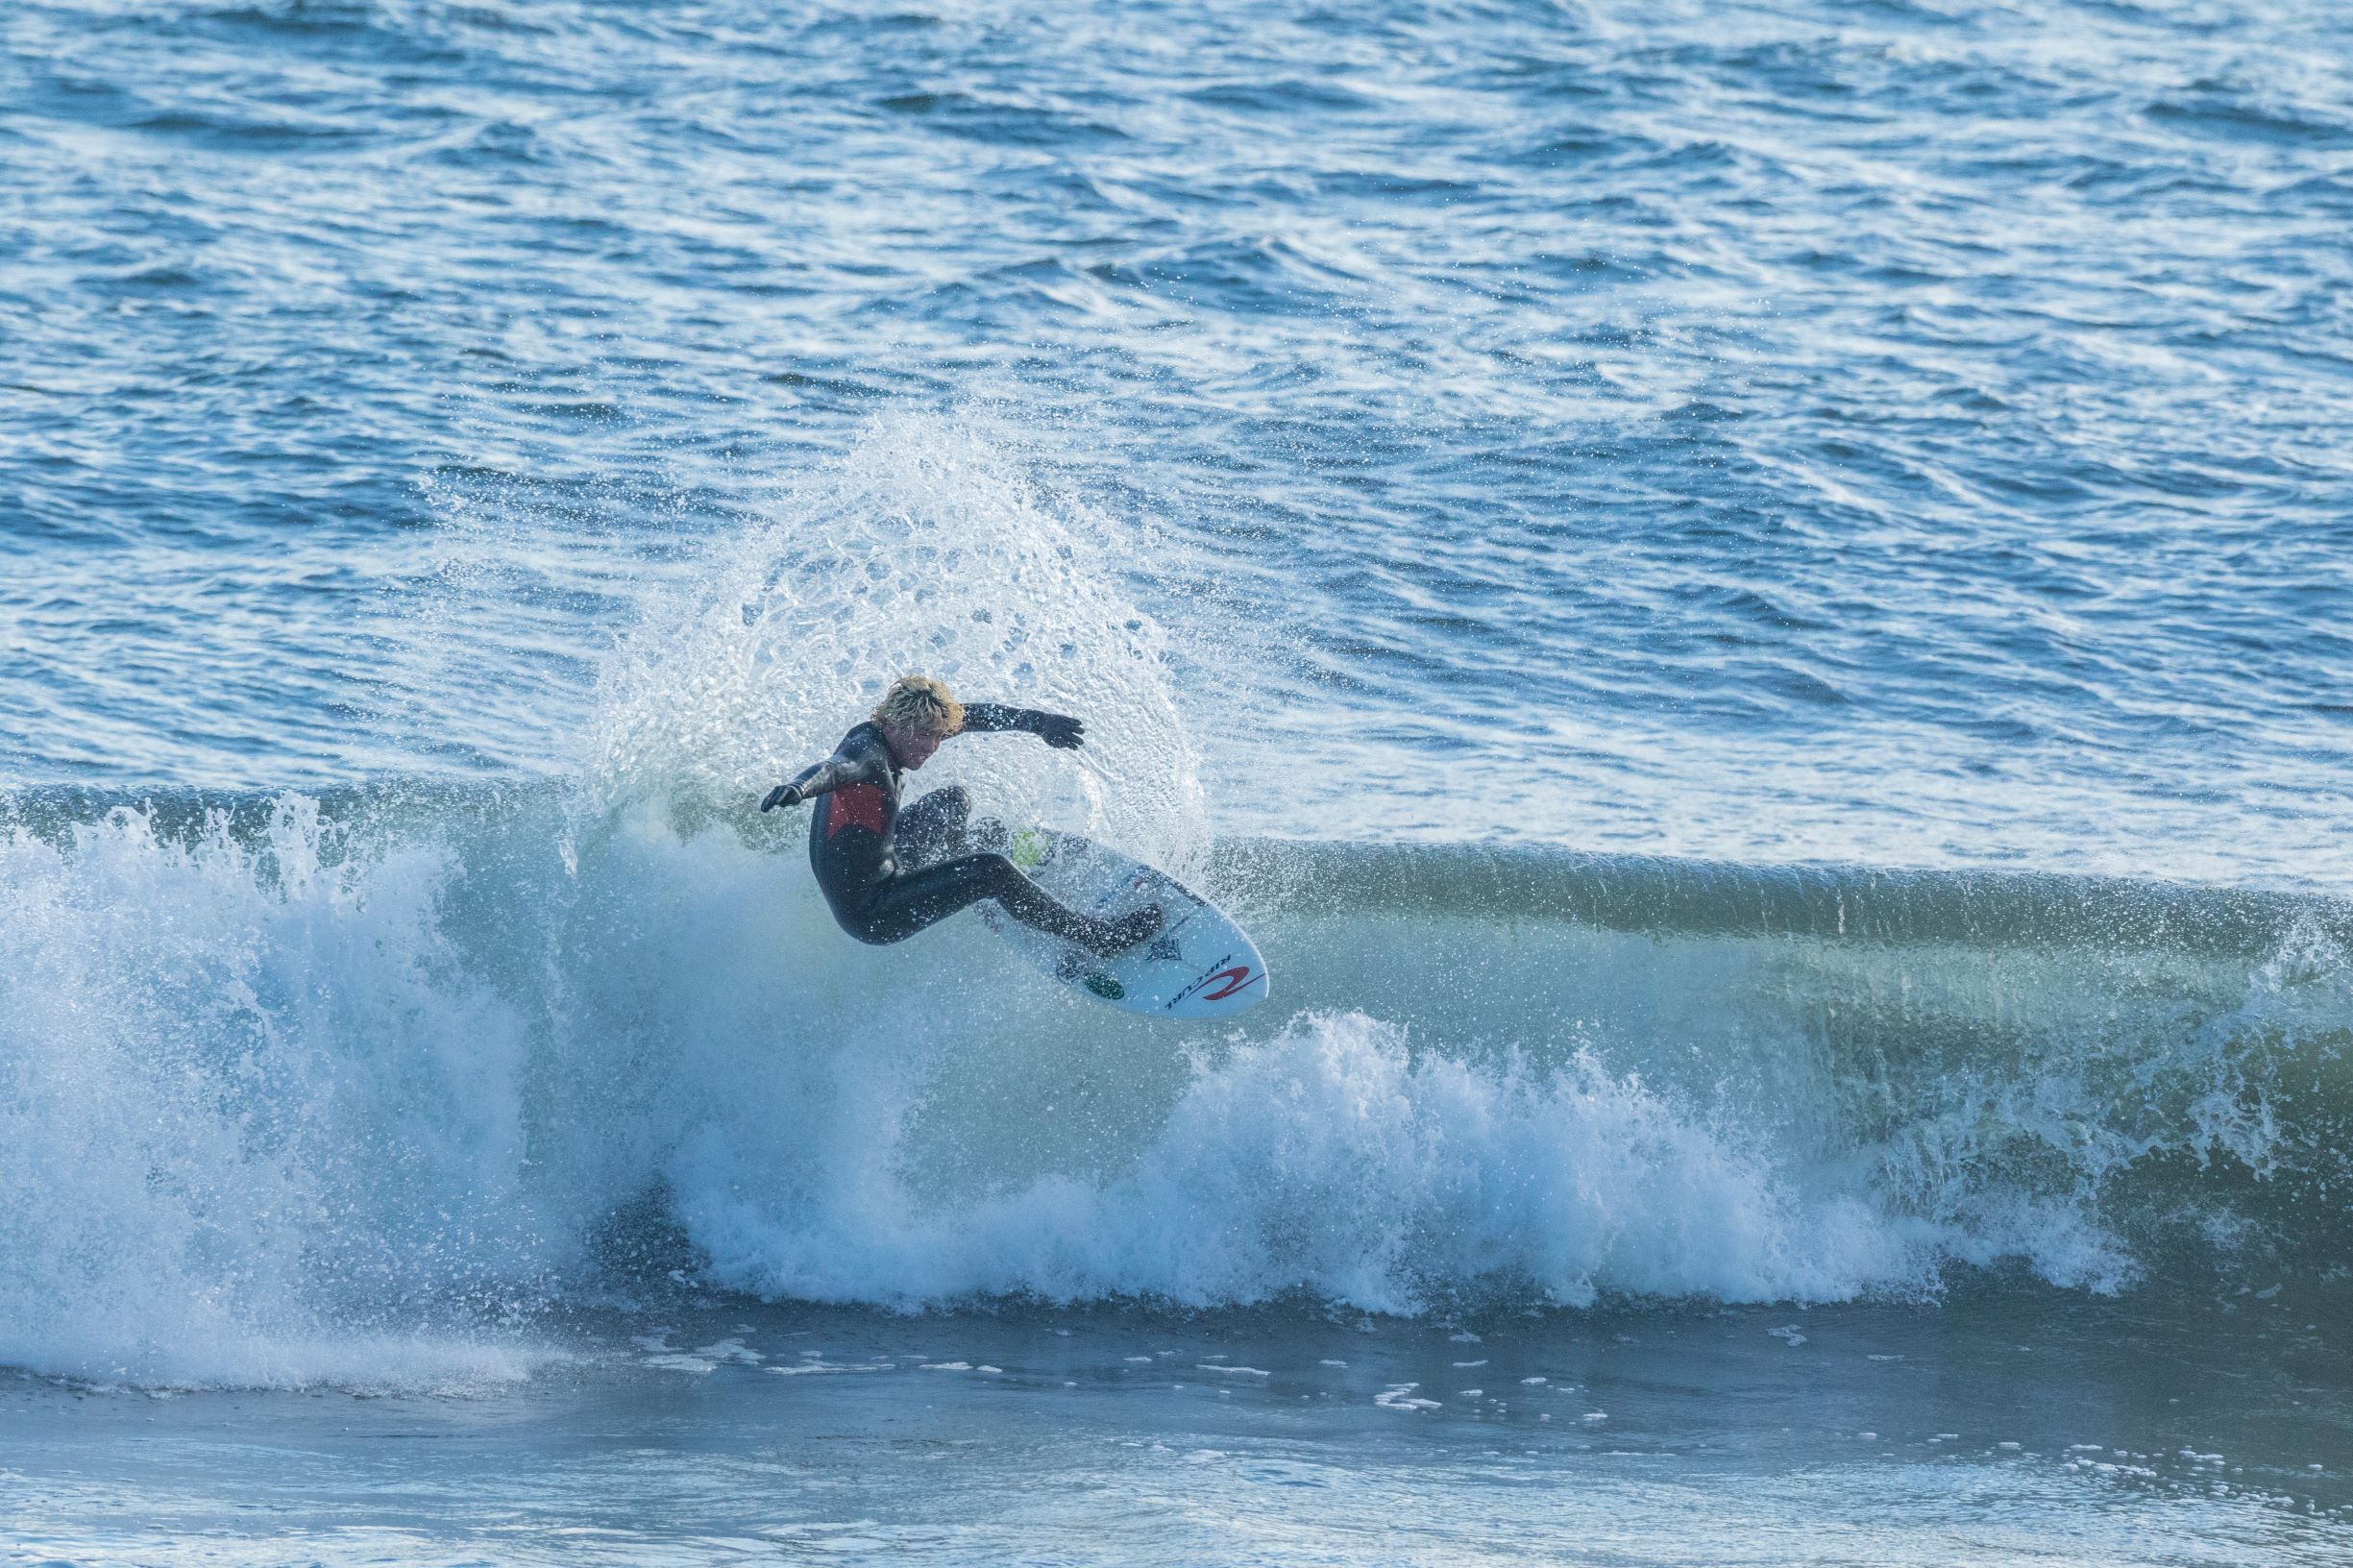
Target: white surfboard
x=1198 y=966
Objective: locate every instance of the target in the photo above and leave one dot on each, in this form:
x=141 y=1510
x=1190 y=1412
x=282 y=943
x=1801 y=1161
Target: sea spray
x=929 y=548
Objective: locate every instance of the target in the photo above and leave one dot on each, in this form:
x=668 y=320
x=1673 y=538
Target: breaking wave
x=337 y=1088
x=369 y=1085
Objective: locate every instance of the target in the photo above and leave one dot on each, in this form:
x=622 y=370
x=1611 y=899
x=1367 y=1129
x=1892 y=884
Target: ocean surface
x=1749 y=600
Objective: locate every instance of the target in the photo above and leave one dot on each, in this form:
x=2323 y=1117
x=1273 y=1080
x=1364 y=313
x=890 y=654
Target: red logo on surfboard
x=1227 y=977
x=1235 y=979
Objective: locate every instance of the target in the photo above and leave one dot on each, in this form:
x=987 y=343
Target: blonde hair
x=923 y=704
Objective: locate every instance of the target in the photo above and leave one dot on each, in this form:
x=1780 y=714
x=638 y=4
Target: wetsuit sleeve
x=855 y=761
x=1053 y=728
x=983 y=718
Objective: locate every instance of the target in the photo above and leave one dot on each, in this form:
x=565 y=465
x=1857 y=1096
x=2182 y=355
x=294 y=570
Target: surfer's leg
x=912 y=901
x=897 y=908
x=933 y=827
x=1034 y=907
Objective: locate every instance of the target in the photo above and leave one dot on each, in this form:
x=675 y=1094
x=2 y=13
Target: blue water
x=1899 y=432
x=1750 y=599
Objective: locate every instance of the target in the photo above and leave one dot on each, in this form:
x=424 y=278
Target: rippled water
x=1909 y=432
x=703 y=1434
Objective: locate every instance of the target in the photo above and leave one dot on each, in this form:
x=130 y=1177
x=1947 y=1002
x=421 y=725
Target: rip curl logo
x=1237 y=978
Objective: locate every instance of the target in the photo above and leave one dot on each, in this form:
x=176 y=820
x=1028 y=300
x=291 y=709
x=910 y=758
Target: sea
x=1752 y=600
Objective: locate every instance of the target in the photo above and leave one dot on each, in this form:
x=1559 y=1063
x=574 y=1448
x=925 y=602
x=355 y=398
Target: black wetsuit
x=882 y=872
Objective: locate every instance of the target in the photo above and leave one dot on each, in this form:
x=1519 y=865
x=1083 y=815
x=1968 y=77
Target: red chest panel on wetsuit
x=856 y=805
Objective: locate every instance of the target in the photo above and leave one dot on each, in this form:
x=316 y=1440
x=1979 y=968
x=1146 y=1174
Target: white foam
x=821 y=1368
x=249 y=1129
x=1323 y=1157
x=1401 y=1396
x=731 y=1350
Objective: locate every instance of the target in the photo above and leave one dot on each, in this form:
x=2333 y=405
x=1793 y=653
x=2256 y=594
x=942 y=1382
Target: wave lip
x=1666 y=895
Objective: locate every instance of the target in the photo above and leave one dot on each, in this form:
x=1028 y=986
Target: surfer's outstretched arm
x=1057 y=729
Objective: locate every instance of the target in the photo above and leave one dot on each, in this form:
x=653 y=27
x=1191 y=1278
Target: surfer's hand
x=783 y=794
x=1058 y=731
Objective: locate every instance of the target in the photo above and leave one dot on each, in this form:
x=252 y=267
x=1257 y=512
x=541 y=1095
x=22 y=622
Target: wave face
x=363 y=1086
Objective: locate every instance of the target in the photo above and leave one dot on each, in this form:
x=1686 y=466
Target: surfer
x=882 y=874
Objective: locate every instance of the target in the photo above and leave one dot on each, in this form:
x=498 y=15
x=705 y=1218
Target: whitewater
x=1745 y=599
